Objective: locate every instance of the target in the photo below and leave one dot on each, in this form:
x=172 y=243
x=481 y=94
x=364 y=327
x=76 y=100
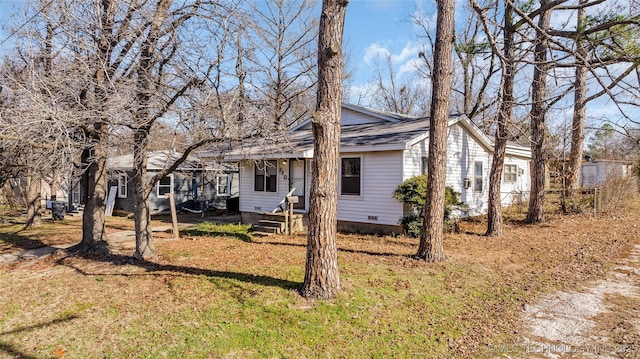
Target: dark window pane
x=424 y=165
x=478 y=185
x=351 y=185
x=271 y=168
x=259 y=183
x=164 y=186
x=165 y=181
x=350 y=176
x=266 y=176
x=351 y=166
x=271 y=183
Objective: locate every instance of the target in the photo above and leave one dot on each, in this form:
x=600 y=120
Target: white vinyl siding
x=512 y=192
x=254 y=201
x=381 y=173
x=350 y=117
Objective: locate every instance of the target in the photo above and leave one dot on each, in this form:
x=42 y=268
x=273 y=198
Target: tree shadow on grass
x=157 y=268
x=20 y=242
x=346 y=250
x=241 y=236
x=13 y=351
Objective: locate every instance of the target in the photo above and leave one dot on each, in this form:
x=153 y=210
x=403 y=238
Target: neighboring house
x=220 y=185
x=594 y=173
x=378 y=151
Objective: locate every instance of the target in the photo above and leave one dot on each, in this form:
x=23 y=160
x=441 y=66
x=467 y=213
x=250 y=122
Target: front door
x=297 y=180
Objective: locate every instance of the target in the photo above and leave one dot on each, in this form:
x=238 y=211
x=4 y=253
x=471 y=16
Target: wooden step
x=266 y=229
x=275 y=224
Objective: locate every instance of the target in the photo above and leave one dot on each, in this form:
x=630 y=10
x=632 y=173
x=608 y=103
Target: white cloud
x=374 y=52
x=409 y=52
x=410 y=66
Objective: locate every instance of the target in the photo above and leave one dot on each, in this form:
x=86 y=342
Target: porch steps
x=270 y=227
x=273 y=223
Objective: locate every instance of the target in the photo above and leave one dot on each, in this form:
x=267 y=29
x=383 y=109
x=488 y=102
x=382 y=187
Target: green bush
x=414 y=193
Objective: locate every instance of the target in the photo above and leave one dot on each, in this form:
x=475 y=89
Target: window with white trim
x=477 y=177
x=350 y=176
x=222 y=185
x=122 y=186
x=165 y=185
x=510 y=173
x=266 y=176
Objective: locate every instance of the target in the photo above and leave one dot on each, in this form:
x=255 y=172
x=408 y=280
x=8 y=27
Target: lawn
x=221 y=292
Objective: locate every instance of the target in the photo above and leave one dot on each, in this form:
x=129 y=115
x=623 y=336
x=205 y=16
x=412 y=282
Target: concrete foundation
x=301 y=223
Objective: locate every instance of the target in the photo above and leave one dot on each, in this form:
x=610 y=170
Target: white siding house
x=378 y=152
x=594 y=173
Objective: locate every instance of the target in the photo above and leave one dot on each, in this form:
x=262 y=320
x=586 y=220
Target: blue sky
x=371 y=27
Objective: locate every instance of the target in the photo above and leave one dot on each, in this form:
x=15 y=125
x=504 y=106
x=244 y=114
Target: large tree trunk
x=579 y=112
x=322 y=276
x=430 y=248
x=34 y=199
x=145 y=250
x=94 y=179
x=538 y=113
x=503 y=119
x=93 y=219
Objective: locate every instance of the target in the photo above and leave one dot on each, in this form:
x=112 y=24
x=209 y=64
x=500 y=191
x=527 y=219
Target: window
x=350 y=176
x=265 y=176
x=510 y=173
x=122 y=186
x=165 y=185
x=222 y=185
x=477 y=177
x=424 y=165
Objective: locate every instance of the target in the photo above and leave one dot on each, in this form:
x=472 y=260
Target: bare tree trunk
x=322 y=276
x=94 y=179
x=503 y=119
x=34 y=197
x=579 y=111
x=430 y=248
x=535 y=214
x=145 y=250
x=93 y=218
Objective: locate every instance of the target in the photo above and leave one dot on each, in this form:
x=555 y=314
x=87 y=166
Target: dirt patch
x=588 y=321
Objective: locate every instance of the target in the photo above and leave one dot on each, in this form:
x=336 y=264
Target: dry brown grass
x=221 y=296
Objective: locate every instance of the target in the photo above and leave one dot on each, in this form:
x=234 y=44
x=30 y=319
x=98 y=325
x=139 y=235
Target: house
x=378 y=151
x=594 y=173
x=219 y=187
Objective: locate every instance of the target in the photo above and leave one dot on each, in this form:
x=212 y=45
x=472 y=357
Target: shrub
x=413 y=192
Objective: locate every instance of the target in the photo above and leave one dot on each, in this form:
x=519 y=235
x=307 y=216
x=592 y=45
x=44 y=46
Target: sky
x=371 y=27
x=376 y=27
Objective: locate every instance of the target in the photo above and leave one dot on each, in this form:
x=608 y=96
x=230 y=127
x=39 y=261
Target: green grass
x=239 y=231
